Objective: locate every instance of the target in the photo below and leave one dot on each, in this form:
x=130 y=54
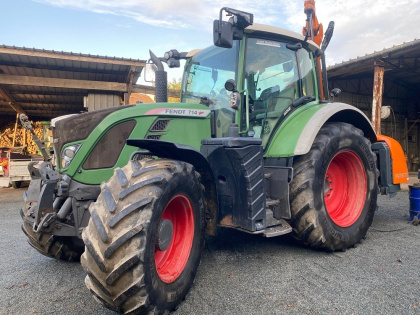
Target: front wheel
x=145 y=236
x=334 y=190
x=68 y=248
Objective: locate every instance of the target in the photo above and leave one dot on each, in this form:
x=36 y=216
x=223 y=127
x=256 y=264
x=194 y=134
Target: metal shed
x=388 y=83
x=46 y=84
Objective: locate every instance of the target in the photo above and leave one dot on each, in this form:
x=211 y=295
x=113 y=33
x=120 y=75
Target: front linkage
x=55 y=208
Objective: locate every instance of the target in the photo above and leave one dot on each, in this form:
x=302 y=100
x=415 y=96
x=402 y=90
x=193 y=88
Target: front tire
x=68 y=248
x=334 y=189
x=145 y=236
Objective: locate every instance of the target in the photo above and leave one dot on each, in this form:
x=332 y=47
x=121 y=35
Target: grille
x=160 y=125
x=153 y=137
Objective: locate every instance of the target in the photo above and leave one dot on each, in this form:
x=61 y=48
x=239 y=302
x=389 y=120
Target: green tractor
x=255 y=145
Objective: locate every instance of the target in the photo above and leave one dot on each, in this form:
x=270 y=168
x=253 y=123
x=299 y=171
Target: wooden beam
x=48 y=107
x=129 y=85
x=78 y=84
x=378 y=90
x=71 y=56
x=62 y=83
x=14 y=132
x=10 y=101
x=38 y=113
x=37 y=93
x=5 y=95
x=27 y=65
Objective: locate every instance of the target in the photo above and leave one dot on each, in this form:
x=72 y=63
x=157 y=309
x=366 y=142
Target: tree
x=175 y=84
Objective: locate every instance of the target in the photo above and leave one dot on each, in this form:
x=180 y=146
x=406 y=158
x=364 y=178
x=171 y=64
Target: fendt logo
x=178 y=112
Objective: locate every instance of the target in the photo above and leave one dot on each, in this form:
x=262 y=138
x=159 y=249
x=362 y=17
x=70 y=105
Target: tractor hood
x=89 y=146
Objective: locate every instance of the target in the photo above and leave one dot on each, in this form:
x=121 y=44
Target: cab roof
x=277 y=31
x=269 y=30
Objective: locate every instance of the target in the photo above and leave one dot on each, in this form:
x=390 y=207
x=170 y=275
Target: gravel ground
x=239 y=273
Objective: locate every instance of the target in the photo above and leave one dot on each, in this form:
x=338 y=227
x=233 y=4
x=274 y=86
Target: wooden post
x=14 y=133
x=378 y=89
x=24 y=139
x=129 y=86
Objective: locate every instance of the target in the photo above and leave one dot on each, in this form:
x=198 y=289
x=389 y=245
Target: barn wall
x=101 y=101
x=401 y=125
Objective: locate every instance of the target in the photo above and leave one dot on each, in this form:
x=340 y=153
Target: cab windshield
x=204 y=81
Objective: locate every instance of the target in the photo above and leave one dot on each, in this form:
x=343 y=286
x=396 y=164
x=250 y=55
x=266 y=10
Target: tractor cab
x=272 y=75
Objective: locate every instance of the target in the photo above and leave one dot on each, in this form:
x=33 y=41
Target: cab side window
x=271 y=76
x=306 y=72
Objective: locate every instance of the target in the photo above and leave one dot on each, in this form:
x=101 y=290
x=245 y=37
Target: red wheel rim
x=345 y=188
x=171 y=262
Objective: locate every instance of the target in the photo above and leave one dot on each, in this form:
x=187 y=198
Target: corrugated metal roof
x=38 y=69
x=400 y=60
x=48 y=63
x=87 y=57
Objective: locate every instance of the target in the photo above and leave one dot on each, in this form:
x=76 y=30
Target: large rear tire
x=145 y=236
x=334 y=189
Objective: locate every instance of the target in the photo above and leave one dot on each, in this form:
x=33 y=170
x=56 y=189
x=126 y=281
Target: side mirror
x=224 y=32
x=150 y=72
x=328 y=35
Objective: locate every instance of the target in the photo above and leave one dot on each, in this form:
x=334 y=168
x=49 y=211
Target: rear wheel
x=144 y=239
x=334 y=190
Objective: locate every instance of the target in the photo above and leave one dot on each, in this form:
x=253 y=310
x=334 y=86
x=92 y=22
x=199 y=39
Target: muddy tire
x=62 y=248
x=334 y=189
x=145 y=237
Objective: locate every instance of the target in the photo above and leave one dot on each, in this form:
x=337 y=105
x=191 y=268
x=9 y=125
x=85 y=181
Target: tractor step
x=281 y=229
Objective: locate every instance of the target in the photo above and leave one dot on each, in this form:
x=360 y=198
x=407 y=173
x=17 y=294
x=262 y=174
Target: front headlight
x=68 y=154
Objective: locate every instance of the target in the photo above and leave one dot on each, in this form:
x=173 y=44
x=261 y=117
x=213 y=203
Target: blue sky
x=129 y=28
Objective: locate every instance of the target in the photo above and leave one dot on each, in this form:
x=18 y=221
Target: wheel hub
x=345 y=187
x=165 y=232
x=174 y=238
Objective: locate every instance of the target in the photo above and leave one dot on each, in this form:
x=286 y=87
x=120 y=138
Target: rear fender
x=176 y=151
x=297 y=134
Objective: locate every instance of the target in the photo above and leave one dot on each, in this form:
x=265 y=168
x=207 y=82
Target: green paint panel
x=284 y=141
x=188 y=130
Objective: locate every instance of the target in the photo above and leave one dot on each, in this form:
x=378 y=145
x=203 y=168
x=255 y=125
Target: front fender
x=296 y=135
